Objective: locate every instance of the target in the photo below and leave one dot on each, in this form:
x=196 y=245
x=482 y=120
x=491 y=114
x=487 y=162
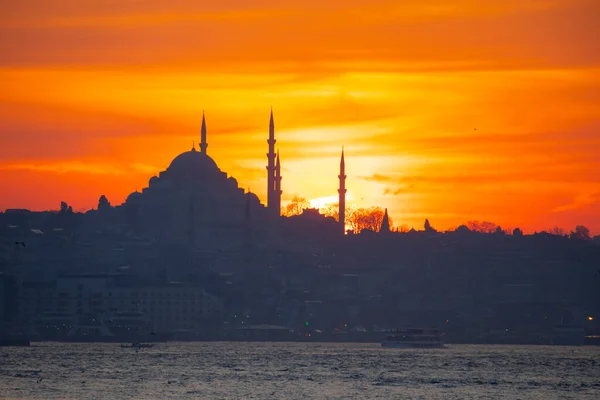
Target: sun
x=323 y=201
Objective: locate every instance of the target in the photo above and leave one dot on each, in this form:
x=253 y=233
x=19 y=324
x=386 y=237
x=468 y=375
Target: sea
x=259 y=370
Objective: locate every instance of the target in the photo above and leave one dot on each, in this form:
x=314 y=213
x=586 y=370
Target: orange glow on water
x=451 y=111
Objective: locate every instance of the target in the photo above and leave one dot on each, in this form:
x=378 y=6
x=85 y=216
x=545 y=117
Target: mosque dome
x=153 y=181
x=193 y=161
x=233 y=181
x=133 y=198
x=252 y=198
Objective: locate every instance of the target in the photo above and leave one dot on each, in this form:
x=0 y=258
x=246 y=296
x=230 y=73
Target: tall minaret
x=203 y=144
x=342 y=194
x=277 y=194
x=271 y=202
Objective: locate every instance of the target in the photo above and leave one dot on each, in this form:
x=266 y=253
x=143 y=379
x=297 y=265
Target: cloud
x=91 y=168
x=579 y=201
x=378 y=178
x=158 y=32
x=409 y=189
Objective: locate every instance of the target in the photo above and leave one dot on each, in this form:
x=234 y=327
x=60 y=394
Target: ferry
x=407 y=338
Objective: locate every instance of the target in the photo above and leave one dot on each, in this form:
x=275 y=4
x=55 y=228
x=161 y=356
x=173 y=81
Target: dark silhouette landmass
x=194 y=256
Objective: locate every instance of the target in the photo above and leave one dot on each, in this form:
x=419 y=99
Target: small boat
x=408 y=338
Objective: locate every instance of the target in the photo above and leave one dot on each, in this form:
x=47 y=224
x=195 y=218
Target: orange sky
x=448 y=110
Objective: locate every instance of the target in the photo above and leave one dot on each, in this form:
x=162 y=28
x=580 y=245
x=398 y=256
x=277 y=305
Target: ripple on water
x=297 y=371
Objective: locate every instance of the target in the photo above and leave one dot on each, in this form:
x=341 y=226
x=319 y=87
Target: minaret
x=271 y=167
x=203 y=144
x=385 y=223
x=277 y=194
x=342 y=194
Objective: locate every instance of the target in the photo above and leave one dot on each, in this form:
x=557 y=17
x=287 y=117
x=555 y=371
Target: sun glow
x=97 y=98
x=322 y=202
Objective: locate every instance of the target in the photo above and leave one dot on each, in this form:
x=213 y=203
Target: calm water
x=298 y=371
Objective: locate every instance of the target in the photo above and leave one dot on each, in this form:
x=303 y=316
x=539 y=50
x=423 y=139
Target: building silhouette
x=342 y=194
x=385 y=223
x=273 y=173
x=203 y=143
x=194 y=202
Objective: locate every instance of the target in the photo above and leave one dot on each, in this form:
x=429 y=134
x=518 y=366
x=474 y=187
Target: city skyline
x=436 y=124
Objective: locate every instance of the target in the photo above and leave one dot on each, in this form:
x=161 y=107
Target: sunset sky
x=448 y=110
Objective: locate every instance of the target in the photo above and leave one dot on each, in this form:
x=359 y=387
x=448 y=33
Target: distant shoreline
x=587 y=343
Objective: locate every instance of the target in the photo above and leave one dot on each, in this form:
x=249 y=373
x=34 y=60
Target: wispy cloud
x=579 y=201
x=378 y=178
x=91 y=168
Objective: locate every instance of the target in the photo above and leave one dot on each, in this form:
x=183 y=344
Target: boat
x=407 y=338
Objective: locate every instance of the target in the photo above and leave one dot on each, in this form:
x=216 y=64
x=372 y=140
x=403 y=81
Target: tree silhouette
x=366 y=218
x=332 y=210
x=482 y=227
x=580 y=232
x=103 y=203
x=403 y=228
x=359 y=218
x=518 y=232
x=296 y=206
x=65 y=208
x=428 y=227
x=557 y=231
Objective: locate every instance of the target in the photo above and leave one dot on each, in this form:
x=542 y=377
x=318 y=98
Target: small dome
x=462 y=229
x=193 y=161
x=252 y=198
x=232 y=181
x=133 y=198
x=153 y=181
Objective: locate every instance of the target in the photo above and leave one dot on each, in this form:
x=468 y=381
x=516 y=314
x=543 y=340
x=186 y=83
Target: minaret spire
x=203 y=143
x=342 y=194
x=271 y=195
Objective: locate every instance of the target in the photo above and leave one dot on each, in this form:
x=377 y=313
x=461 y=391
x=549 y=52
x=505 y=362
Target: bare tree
x=482 y=226
x=331 y=210
x=557 y=231
x=403 y=228
x=296 y=206
x=366 y=218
